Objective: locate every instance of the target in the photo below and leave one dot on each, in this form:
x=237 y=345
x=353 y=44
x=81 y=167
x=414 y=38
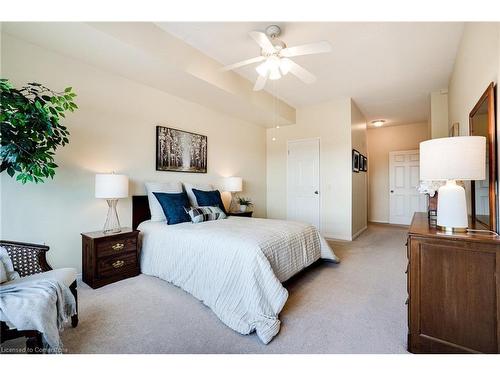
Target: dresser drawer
x=116 y=265
x=116 y=246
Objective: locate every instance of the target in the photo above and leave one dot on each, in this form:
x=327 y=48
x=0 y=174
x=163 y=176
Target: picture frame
x=365 y=164
x=355 y=160
x=180 y=151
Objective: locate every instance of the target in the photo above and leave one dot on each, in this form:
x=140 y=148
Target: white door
x=303 y=181
x=404 y=178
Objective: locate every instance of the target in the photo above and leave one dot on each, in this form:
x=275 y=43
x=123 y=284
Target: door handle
x=392 y=191
x=316 y=192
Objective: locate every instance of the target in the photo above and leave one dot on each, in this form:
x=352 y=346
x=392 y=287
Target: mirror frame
x=488 y=97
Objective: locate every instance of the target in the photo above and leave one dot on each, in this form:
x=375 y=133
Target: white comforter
x=234 y=266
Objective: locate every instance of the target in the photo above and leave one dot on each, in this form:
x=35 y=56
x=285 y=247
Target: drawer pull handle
x=118 y=246
x=118 y=264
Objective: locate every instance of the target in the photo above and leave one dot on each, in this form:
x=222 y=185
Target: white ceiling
x=389 y=69
x=151 y=56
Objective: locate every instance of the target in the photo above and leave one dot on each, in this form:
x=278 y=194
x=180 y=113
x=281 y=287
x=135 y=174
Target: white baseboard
x=378 y=221
x=358 y=233
x=335 y=237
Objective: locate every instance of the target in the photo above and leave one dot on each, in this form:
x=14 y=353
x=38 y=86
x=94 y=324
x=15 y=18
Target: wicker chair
x=29 y=259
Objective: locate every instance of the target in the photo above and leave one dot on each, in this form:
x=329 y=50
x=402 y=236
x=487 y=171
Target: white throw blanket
x=234 y=266
x=41 y=305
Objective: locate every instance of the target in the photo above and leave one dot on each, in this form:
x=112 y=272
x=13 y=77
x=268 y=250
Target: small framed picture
x=355 y=160
x=365 y=164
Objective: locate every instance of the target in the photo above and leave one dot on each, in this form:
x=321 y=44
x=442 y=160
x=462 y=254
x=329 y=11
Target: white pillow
x=7 y=265
x=189 y=190
x=160 y=187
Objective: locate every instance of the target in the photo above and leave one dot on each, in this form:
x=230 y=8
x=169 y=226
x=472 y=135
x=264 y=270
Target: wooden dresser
x=454 y=290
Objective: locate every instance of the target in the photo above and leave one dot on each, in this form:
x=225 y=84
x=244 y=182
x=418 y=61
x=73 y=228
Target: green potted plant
x=31 y=129
x=244 y=203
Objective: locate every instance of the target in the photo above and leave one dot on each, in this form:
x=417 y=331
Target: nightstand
x=243 y=214
x=107 y=258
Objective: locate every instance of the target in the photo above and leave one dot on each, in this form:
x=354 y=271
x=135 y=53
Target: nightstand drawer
x=116 y=247
x=116 y=264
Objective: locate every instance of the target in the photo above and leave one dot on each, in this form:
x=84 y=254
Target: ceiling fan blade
x=261 y=82
x=243 y=63
x=262 y=40
x=307 y=49
x=301 y=73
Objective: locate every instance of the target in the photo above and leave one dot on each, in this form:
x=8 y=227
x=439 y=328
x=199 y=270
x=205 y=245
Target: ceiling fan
x=275 y=57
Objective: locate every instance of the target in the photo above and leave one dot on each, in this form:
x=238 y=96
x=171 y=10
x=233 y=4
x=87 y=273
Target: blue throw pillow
x=209 y=198
x=173 y=205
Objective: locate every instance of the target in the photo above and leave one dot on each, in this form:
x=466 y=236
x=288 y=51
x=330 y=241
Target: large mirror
x=484 y=193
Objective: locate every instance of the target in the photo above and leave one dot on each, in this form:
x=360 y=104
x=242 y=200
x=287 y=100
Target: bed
x=234 y=266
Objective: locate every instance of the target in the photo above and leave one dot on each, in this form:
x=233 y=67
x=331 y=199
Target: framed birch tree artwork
x=180 y=151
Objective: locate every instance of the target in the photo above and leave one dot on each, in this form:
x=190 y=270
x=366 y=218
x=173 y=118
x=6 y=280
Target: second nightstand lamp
x=233 y=185
x=111 y=187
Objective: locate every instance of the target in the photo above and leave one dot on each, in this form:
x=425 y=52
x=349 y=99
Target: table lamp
x=451 y=159
x=111 y=187
x=233 y=185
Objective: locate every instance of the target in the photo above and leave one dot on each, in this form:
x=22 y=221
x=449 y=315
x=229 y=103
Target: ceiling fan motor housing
x=273 y=31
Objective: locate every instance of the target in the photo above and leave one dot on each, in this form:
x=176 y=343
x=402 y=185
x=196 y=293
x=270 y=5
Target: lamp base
x=451 y=230
x=452 y=208
x=112 y=224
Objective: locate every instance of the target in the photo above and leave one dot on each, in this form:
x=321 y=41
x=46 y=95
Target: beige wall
x=331 y=123
x=114 y=130
x=381 y=141
x=359 y=180
x=439 y=114
x=476 y=65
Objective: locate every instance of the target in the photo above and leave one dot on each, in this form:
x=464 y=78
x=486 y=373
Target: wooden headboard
x=140 y=210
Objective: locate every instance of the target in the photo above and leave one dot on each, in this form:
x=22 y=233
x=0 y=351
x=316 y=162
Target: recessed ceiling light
x=378 y=123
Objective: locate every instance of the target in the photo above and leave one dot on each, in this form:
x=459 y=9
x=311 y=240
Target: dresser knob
x=118 y=246
x=118 y=264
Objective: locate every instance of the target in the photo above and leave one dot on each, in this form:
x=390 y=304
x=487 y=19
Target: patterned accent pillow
x=209 y=198
x=206 y=213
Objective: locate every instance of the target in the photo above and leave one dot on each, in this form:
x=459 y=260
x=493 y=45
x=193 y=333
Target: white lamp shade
x=111 y=186
x=453 y=158
x=233 y=184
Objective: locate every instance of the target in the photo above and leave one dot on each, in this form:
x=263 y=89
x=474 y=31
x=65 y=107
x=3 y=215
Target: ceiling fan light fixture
x=285 y=66
x=262 y=69
x=275 y=74
x=273 y=62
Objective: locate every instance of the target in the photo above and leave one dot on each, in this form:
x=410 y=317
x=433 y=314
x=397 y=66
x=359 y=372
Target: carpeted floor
x=354 y=307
